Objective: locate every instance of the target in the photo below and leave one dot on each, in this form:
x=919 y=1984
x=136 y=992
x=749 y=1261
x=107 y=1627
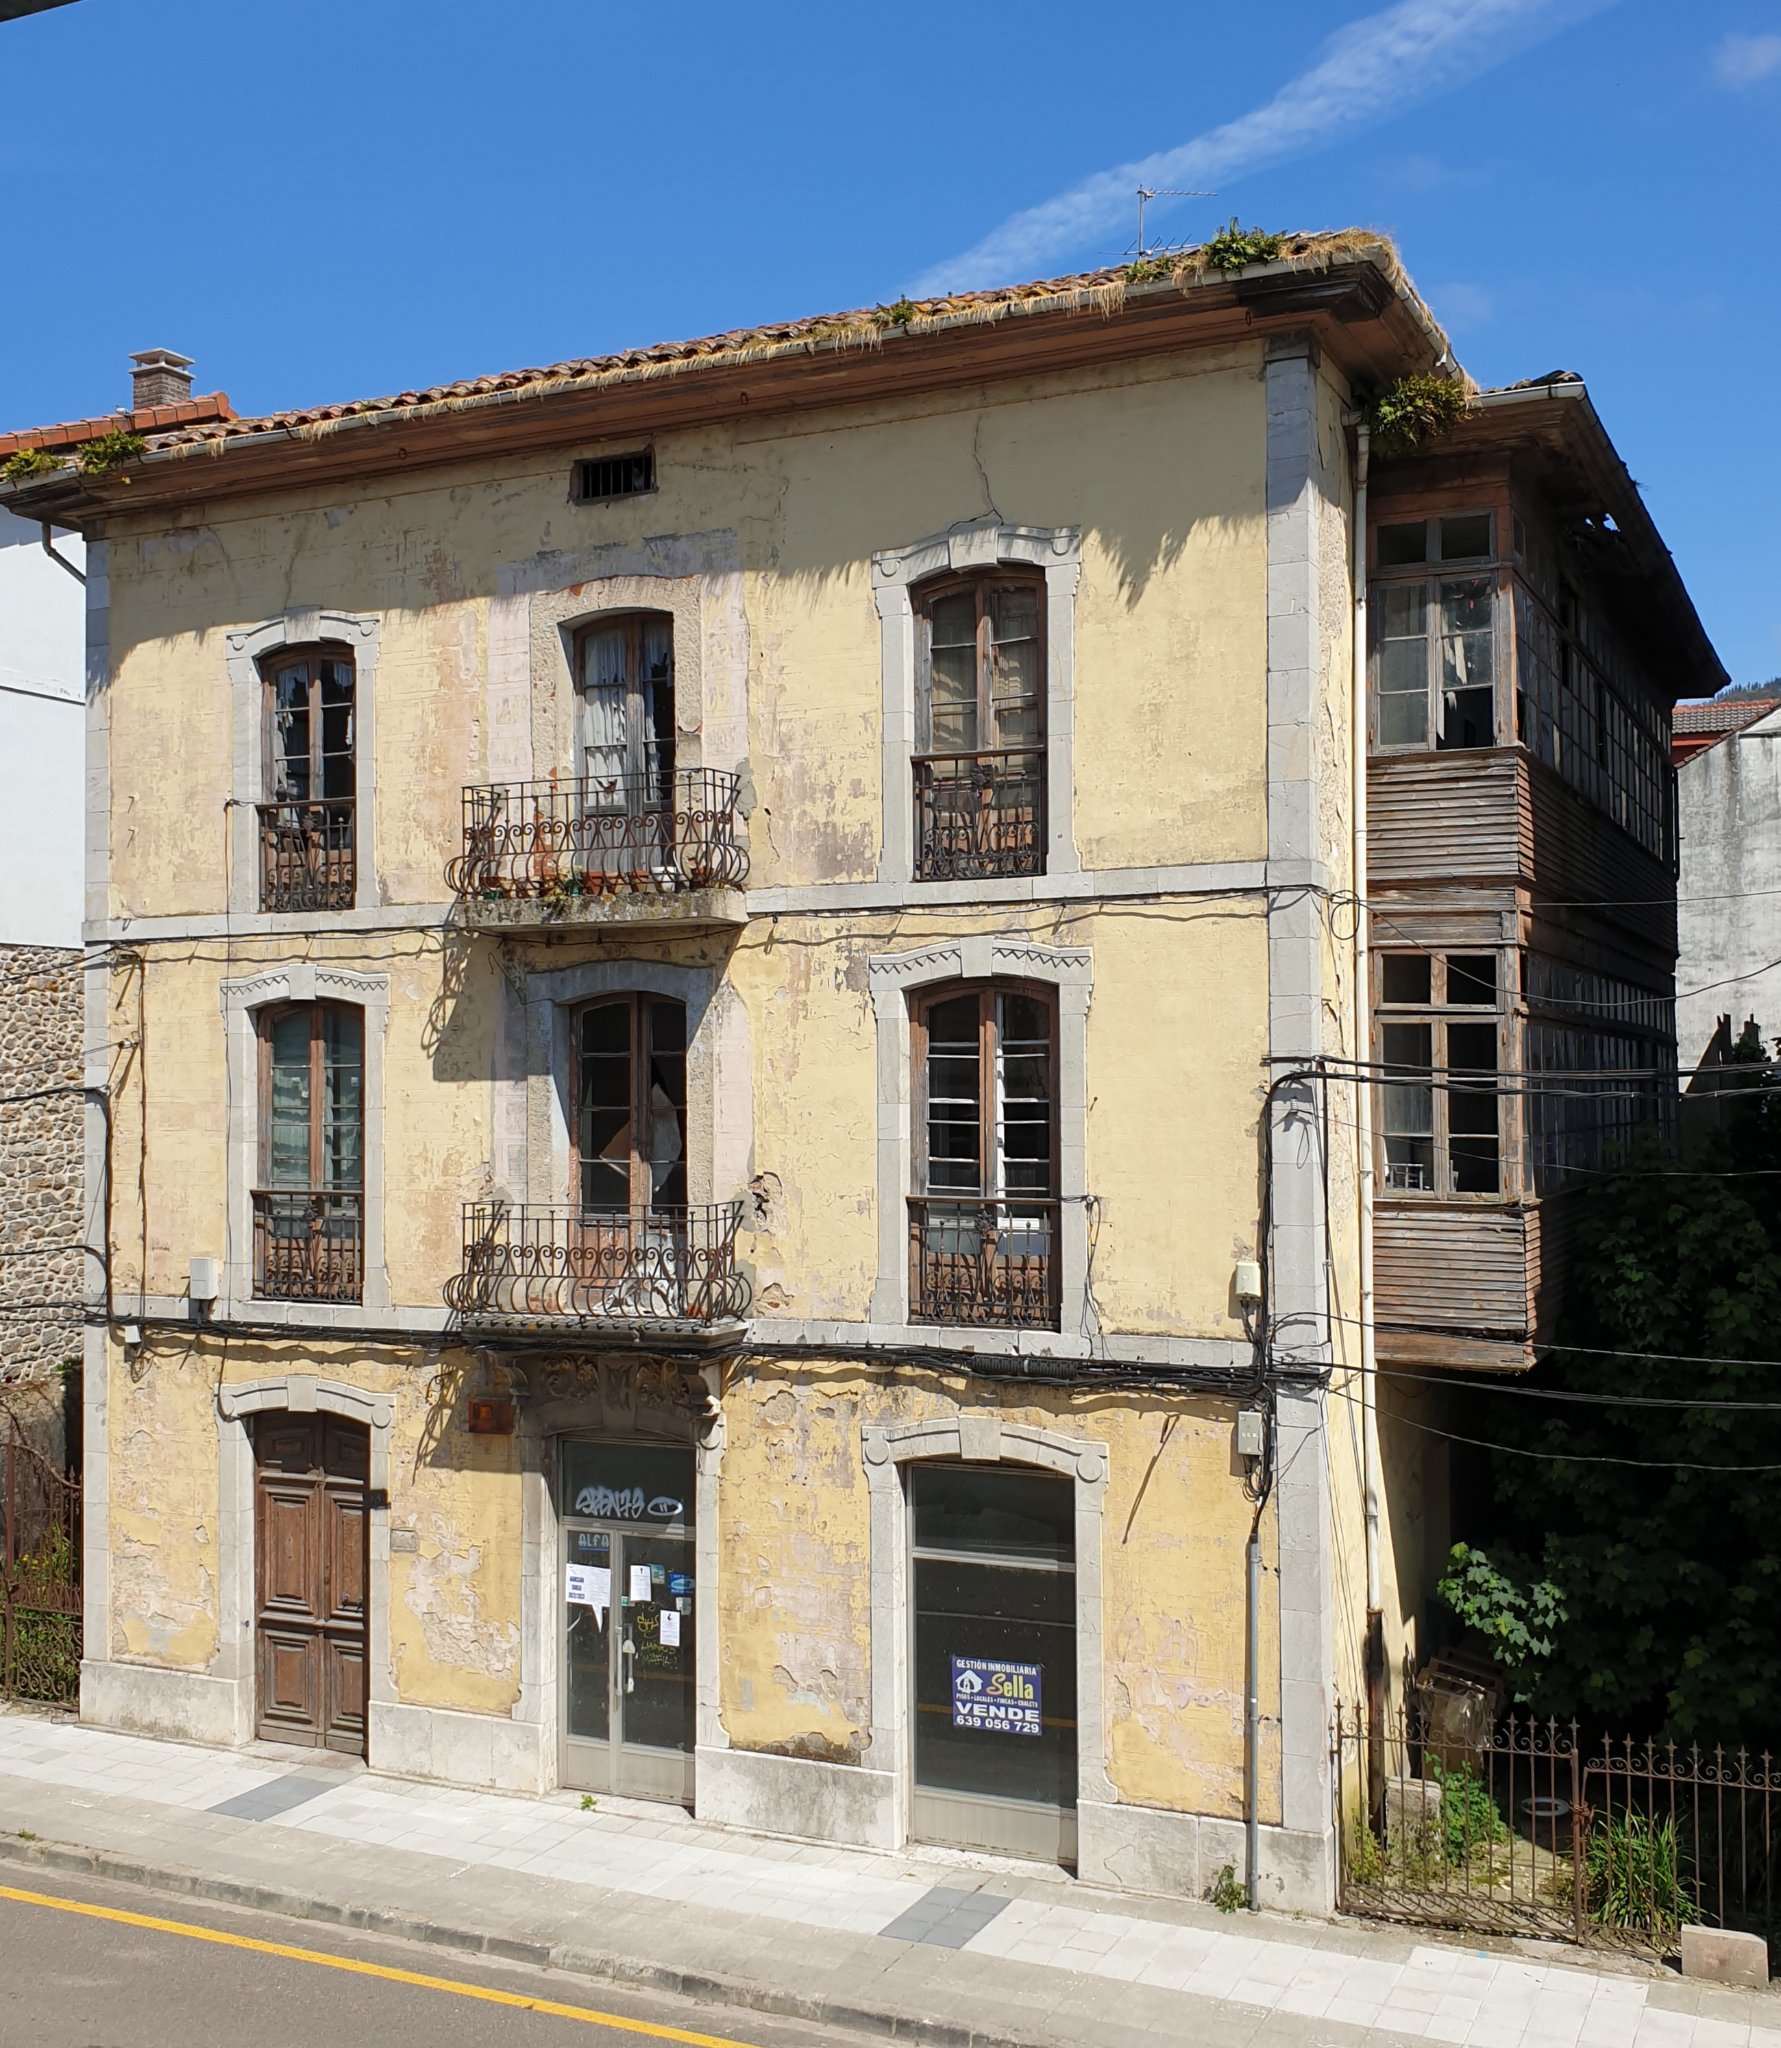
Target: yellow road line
x=311 y=1955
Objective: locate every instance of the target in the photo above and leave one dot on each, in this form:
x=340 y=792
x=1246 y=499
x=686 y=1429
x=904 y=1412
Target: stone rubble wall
x=42 y=1162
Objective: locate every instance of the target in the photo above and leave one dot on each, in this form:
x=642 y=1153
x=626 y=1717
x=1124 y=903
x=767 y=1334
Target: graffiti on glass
x=627 y=1504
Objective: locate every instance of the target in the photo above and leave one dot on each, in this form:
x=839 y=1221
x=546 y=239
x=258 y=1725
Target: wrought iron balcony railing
x=306 y=855
x=974 y=1259
x=979 y=814
x=554 y=842
x=309 y=1247
x=528 y=1264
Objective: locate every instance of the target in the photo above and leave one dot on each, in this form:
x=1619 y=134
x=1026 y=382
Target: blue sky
x=323 y=199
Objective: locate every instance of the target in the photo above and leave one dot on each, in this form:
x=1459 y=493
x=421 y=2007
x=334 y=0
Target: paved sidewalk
x=951 y=1949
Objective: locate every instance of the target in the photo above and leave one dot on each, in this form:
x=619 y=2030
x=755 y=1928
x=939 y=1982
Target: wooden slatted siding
x=1454 y=1266
x=1446 y=817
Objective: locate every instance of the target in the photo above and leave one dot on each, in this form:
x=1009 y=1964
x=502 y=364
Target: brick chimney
x=159 y=377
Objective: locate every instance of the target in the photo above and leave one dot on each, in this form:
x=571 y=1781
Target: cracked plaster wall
x=796 y=1564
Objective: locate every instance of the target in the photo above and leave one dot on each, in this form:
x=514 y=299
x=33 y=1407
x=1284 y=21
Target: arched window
x=309 y=1221
x=308 y=813
x=984 y=1207
x=979 y=760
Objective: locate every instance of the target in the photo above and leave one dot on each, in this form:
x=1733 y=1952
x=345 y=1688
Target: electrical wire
x=1563 y=1457
x=1452 y=1381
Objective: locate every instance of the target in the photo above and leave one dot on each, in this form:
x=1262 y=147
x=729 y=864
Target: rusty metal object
x=529 y=1264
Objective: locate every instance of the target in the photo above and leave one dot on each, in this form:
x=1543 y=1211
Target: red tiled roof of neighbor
x=206 y=409
x=1695 y=727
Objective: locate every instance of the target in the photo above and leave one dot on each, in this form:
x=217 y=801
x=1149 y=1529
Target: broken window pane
x=1466 y=538
x=1472 y=978
x=1405 y=978
x=1399 y=546
x=1468 y=664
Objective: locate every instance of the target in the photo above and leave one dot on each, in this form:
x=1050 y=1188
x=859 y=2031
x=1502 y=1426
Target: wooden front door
x=312 y=1556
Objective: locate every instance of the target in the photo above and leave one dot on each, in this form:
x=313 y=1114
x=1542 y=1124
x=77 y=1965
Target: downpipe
x=1252 y=1716
x=1374 y=1648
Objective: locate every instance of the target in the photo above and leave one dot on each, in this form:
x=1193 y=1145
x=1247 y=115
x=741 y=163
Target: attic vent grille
x=614 y=476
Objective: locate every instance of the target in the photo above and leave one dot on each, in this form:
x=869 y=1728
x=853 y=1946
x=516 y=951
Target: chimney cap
x=160 y=359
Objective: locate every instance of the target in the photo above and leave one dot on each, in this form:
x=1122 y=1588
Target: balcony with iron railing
x=308 y=1247
x=979 y=815
x=631 y=849
x=560 y=1267
x=984 y=1261
x=307 y=855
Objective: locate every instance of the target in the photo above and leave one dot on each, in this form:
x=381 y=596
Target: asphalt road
x=94 y=1978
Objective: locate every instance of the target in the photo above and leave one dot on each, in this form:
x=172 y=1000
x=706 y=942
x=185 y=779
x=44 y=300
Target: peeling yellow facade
x=762 y=532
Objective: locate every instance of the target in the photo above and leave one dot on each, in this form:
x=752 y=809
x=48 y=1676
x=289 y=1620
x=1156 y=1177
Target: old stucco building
x=743 y=1181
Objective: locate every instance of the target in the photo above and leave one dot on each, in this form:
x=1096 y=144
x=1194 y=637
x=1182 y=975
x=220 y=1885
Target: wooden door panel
x=290 y=1684
x=344 y=1668
x=344 y=1536
x=346 y=1450
x=285 y=1443
x=289 y=1550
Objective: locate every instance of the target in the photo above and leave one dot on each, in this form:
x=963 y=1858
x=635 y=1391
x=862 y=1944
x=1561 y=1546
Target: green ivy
x=28 y=462
x=1520 y=1622
x=1415 y=410
x=109 y=452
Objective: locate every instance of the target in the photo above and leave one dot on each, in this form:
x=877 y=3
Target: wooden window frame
x=272 y=666
x=638 y=1004
x=1431 y=574
x=636 y=769
x=986 y=992
x=318 y=1012
x=980 y=583
x=1438 y=1013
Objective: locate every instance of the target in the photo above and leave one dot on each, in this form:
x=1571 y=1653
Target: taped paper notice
x=670 y=1628
x=588 y=1585
x=640 y=1583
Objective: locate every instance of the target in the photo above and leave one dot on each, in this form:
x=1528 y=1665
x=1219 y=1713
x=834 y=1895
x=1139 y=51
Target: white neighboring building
x=1728 y=802
x=42 y=735
x=43 y=633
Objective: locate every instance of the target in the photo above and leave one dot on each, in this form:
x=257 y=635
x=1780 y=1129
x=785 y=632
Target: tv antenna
x=1149 y=192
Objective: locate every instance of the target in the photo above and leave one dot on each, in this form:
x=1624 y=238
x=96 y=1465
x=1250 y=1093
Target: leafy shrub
x=1414 y=410
x=110 y=451
x=25 y=463
x=1234 y=247
x=1469 y=1816
x=1520 y=1622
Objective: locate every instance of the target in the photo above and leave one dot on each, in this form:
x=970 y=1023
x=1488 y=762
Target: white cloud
x=1459 y=306
x=1741 y=61
x=1364 y=74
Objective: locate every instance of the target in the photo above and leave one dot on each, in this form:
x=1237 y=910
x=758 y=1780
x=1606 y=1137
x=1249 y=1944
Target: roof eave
x=1367 y=316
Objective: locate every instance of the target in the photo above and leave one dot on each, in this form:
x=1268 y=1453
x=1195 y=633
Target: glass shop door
x=627 y=1601
x=993 y=1575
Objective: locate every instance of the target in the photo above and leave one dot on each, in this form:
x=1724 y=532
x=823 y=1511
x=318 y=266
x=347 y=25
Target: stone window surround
x=977 y=544
x=294 y=1394
x=248 y=646
x=978 y=1439
x=242 y=1001
x=533 y=1118
x=893 y=978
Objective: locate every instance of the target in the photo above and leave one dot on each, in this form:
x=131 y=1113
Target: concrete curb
x=706 y=1987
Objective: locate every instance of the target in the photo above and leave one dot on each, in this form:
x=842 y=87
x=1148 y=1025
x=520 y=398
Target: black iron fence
x=979 y=814
x=1522 y=1826
x=309 y=1247
x=976 y=1259
x=307 y=859
x=556 y=843
x=528 y=1264
x=40 y=1626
